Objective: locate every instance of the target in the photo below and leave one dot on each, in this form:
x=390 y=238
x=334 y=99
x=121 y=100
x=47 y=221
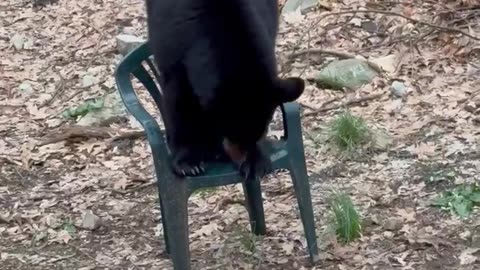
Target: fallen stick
x=346 y=103
x=225 y=201
x=341 y=55
x=74 y=132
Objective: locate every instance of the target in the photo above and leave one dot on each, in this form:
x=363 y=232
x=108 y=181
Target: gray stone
x=393 y=224
x=399 y=89
x=304 y=5
x=347 y=73
x=127 y=43
x=90 y=221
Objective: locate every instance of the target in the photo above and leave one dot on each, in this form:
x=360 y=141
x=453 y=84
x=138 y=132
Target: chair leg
x=174 y=200
x=301 y=185
x=164 y=226
x=254 y=202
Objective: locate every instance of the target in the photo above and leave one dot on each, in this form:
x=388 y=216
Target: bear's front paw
x=256 y=165
x=186 y=162
x=188 y=168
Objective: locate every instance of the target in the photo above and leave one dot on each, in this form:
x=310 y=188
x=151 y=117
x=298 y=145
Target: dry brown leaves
x=87 y=203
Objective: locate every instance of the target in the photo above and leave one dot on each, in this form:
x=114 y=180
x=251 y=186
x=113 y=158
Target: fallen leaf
x=467 y=257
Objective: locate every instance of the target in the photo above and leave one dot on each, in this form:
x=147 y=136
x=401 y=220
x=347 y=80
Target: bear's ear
x=289 y=89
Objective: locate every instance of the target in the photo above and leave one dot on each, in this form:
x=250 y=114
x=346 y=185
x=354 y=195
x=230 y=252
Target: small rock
x=88 y=80
x=476 y=239
x=90 y=221
x=399 y=89
x=128 y=30
x=28 y=44
x=18 y=40
x=358 y=258
x=370 y=26
x=52 y=221
x=476 y=120
x=388 y=234
x=127 y=43
x=26 y=88
x=468 y=256
x=369 y=222
x=4 y=219
x=381 y=139
x=476 y=101
x=40 y=236
x=469 y=107
x=388 y=63
x=393 y=224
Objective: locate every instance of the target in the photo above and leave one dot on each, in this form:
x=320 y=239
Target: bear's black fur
x=217 y=59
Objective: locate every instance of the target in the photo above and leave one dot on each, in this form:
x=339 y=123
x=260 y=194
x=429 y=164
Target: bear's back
x=239 y=31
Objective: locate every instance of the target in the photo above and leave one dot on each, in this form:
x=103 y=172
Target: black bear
x=219 y=79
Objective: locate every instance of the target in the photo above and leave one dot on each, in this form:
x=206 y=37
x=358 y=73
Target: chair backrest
x=133 y=64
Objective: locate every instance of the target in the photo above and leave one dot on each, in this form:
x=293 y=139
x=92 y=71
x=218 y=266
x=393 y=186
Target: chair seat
x=273 y=148
x=219 y=169
x=225 y=173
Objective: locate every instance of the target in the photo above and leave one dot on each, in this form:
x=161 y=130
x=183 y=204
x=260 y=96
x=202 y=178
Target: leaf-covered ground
x=91 y=203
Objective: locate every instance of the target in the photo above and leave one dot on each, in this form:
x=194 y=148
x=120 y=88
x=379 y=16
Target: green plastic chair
x=286 y=153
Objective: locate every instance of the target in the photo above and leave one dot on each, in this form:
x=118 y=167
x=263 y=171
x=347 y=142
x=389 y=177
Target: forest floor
x=91 y=203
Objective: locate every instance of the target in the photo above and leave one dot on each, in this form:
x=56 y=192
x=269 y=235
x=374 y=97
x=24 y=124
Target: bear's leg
x=212 y=147
x=251 y=161
x=183 y=120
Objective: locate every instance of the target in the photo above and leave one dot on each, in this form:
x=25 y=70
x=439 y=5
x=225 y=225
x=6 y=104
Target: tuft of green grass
x=69 y=227
x=345 y=220
x=247 y=239
x=435 y=173
x=348 y=132
x=460 y=201
x=89 y=106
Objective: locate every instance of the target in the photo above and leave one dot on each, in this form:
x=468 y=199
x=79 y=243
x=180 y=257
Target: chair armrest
x=292 y=124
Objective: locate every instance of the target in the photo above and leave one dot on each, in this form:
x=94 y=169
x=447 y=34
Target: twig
x=14 y=21
x=22 y=178
x=60 y=88
x=85 y=254
x=354 y=12
x=62 y=258
x=82 y=88
x=307 y=106
x=462 y=105
x=346 y=103
x=137 y=188
x=131 y=134
x=95 y=52
x=9 y=160
x=439 y=27
x=323 y=104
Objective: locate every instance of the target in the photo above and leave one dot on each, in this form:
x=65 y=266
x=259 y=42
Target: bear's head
x=253 y=115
